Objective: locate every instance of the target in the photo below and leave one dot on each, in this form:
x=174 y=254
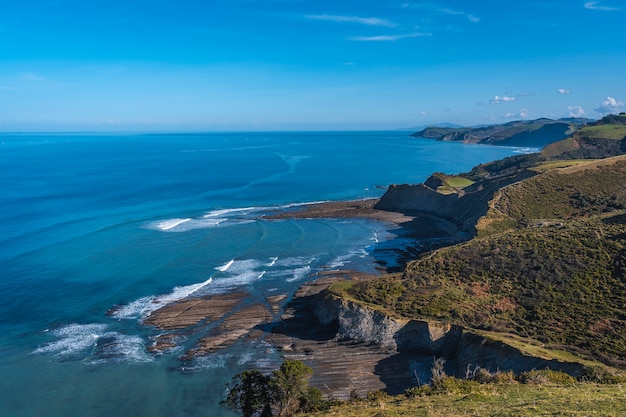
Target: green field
x=617 y=132
x=519 y=400
x=547 y=166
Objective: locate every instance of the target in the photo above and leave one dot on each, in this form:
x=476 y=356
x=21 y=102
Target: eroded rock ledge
x=418 y=338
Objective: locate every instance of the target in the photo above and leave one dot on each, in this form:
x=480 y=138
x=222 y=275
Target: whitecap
x=207 y=362
x=184 y=225
x=73 y=339
x=299 y=273
x=96 y=343
x=340 y=261
x=225 y=267
x=144 y=306
x=117 y=347
x=295 y=261
x=244 y=358
x=170 y=224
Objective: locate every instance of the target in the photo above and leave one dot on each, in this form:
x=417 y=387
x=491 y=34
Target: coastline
x=288 y=321
x=420 y=232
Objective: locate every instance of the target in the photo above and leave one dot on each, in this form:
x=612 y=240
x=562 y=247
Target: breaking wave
x=95 y=343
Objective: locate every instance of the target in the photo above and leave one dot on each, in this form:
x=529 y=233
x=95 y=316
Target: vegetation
x=561 y=285
x=494 y=399
x=535 y=133
x=549 y=259
x=448 y=184
x=485 y=393
x=603 y=131
x=545 y=274
x=281 y=393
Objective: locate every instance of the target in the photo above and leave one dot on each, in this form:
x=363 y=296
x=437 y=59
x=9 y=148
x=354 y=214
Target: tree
x=289 y=385
x=282 y=393
x=248 y=392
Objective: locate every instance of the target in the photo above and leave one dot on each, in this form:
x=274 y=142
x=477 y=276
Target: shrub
x=452 y=385
x=546 y=376
x=601 y=375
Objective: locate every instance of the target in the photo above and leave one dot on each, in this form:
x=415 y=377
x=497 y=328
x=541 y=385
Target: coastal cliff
x=463 y=208
x=462 y=349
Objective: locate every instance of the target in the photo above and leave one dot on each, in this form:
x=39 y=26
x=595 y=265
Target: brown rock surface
x=234 y=327
x=191 y=311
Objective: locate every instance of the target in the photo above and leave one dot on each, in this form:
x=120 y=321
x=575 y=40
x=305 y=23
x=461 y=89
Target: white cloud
x=610 y=105
x=387 y=38
x=597 y=5
x=442 y=10
x=563 y=91
x=576 y=111
x=469 y=17
x=31 y=76
x=498 y=99
x=369 y=21
x=522 y=114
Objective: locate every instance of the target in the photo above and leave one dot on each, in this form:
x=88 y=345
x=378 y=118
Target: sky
x=248 y=65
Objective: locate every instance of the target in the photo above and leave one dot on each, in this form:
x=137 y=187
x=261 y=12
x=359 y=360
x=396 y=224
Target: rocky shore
x=352 y=350
x=295 y=325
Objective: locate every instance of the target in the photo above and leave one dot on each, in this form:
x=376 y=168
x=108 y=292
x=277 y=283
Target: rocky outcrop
x=463 y=349
x=367 y=325
x=462 y=209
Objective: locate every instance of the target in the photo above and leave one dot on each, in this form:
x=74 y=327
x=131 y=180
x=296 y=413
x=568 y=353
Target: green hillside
x=532 y=133
x=548 y=262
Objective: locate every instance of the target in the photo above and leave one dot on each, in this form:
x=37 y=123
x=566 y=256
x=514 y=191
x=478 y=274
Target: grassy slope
x=517 y=400
x=561 y=281
x=549 y=274
x=603 y=131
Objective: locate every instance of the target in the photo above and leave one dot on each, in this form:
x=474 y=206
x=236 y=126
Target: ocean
x=97 y=230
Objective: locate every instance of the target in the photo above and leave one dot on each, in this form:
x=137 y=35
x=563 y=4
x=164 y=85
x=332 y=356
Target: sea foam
x=95 y=343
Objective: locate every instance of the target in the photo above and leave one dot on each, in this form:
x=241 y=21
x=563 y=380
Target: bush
x=601 y=376
x=415 y=392
x=452 y=385
x=546 y=376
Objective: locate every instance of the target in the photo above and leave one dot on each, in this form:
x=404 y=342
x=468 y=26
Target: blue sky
x=190 y=65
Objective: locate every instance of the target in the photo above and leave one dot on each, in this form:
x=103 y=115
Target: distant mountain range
x=527 y=133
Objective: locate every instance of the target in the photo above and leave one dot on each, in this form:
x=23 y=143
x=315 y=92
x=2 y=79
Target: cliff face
x=463 y=209
x=461 y=348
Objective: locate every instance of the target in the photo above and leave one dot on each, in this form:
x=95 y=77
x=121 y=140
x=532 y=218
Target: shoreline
x=341 y=209
x=426 y=231
x=288 y=322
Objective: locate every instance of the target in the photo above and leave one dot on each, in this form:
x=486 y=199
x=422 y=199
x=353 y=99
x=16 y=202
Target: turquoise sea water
x=132 y=222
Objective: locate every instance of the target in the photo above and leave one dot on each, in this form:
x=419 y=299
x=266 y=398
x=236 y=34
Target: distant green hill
x=524 y=133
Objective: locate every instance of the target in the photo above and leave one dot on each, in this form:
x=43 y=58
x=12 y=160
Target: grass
x=459 y=182
x=537 y=349
x=616 y=132
x=341 y=287
x=504 y=399
x=452 y=183
x=521 y=278
x=547 y=166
